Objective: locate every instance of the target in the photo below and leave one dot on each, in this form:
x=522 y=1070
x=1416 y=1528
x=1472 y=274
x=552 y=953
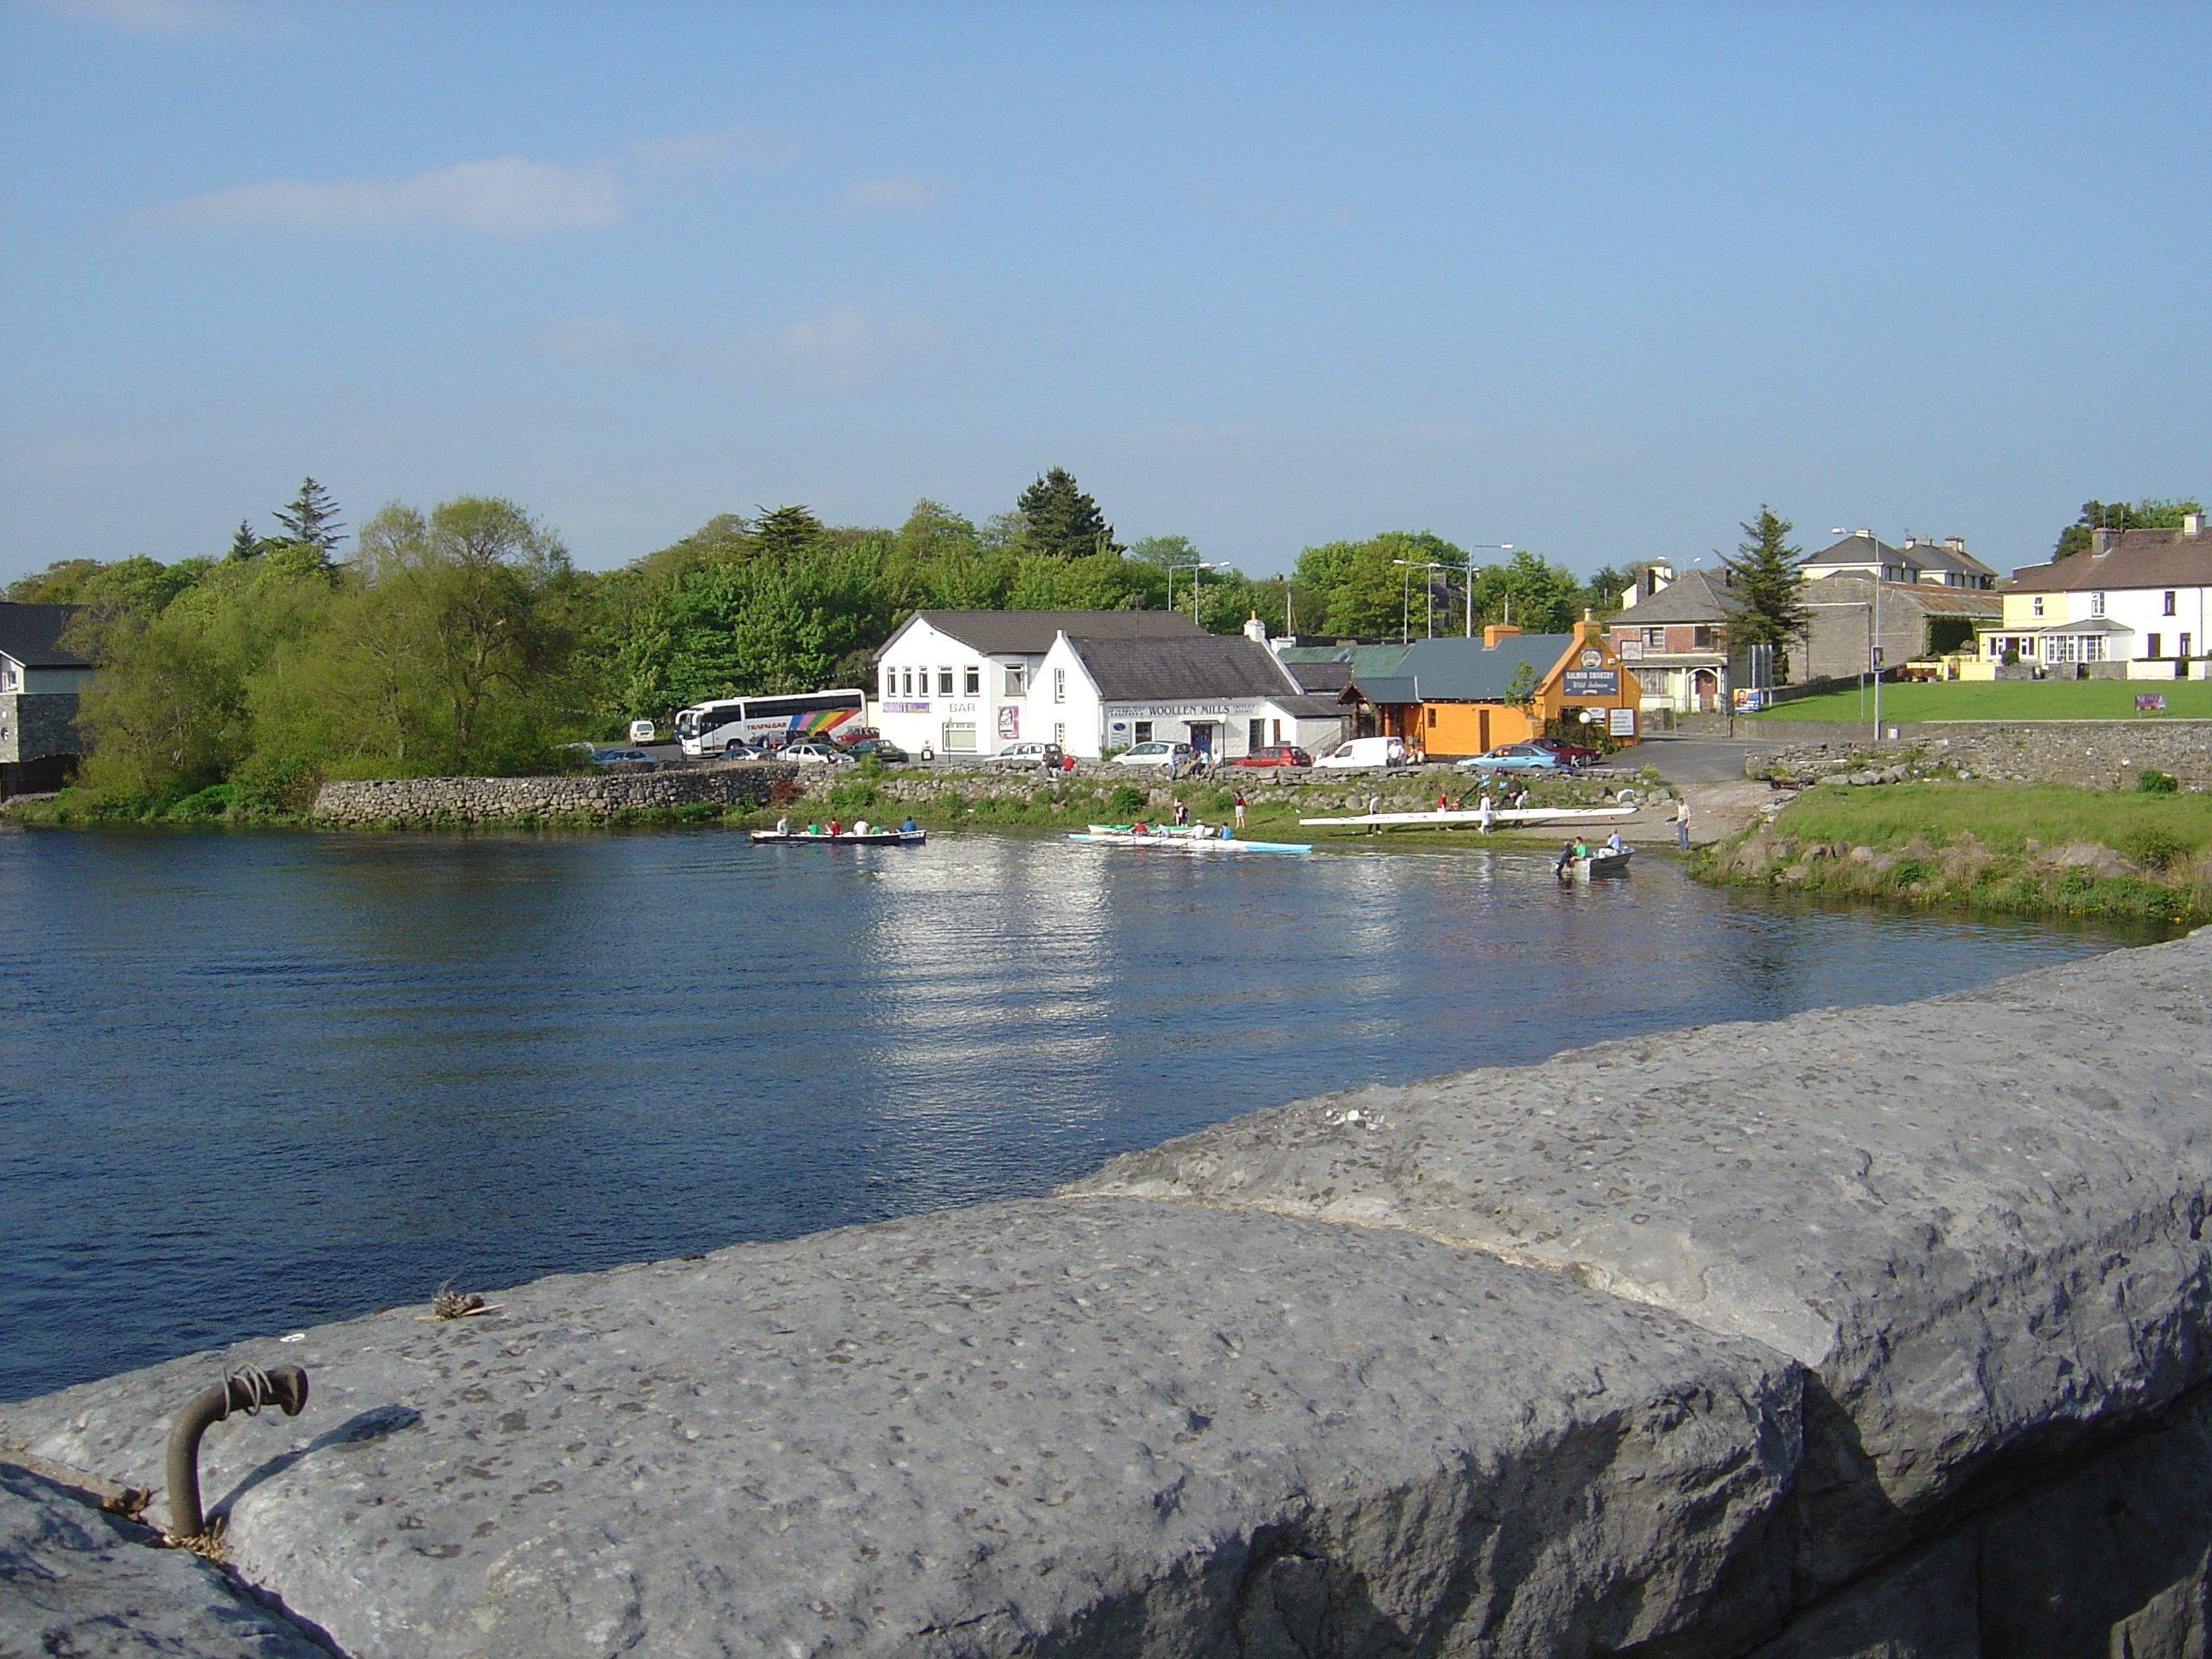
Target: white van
x=640 y=731
x=1366 y=751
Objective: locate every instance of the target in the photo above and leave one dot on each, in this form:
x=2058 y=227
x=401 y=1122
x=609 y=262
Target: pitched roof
x=1937 y=556
x=1860 y=548
x=1923 y=597
x=1191 y=666
x=1695 y=596
x=1463 y=671
x=1917 y=554
x=1031 y=633
x=1319 y=676
x=31 y=634
x=2137 y=558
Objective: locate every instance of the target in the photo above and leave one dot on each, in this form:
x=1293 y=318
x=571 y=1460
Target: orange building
x=1451 y=698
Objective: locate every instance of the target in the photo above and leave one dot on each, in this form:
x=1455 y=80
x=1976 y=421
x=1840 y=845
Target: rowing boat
x=847 y=838
x=1108 y=835
x=1596 y=866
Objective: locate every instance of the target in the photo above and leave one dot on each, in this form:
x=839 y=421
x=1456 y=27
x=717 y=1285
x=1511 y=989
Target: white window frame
x=1018 y=679
x=971 y=675
x=2169 y=610
x=1059 y=685
x=2035 y=604
x=944 y=679
x=2096 y=602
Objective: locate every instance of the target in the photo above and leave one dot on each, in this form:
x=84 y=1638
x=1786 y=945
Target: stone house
x=2134 y=606
x=1673 y=632
x=1914 y=620
x=41 y=681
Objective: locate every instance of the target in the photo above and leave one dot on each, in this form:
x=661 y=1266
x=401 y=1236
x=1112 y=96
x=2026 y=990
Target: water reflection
x=250 y=1082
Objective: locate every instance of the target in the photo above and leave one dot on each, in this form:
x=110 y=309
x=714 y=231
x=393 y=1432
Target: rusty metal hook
x=246 y=1391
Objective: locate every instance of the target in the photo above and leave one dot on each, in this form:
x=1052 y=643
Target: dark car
x=1273 y=753
x=1571 y=753
x=882 y=748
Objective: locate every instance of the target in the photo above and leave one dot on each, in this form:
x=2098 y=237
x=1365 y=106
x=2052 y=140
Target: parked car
x=1274 y=754
x=815 y=753
x=1572 y=753
x=882 y=748
x=640 y=731
x=1515 y=757
x=742 y=751
x=1047 y=755
x=620 y=758
x=1157 y=753
x=1366 y=751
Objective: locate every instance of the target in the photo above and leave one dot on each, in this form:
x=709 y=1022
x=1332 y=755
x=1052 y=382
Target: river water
x=250 y=1082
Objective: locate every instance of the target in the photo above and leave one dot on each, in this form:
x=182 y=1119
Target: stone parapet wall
x=37 y=725
x=507 y=801
x=1876 y=1330
x=2090 y=754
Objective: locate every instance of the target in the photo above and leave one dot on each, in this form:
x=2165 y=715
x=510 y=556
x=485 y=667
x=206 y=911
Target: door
x=1201 y=738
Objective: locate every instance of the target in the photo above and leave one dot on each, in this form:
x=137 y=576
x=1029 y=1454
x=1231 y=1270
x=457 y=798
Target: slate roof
x=1462 y=670
x=1920 y=555
x=1361 y=659
x=2137 y=558
x=1695 y=596
x=1319 y=676
x=1921 y=596
x=1137 y=669
x=31 y=634
x=1031 y=633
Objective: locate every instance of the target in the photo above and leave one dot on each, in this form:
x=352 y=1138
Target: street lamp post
x=1502 y=547
x=1196 y=599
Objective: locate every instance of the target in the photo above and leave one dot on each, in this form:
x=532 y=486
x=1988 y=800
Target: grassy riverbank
x=2024 y=849
x=1995 y=700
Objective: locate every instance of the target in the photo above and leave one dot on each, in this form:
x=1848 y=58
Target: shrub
x=1126 y=801
x=949 y=804
x=2151 y=848
x=852 y=795
x=2156 y=782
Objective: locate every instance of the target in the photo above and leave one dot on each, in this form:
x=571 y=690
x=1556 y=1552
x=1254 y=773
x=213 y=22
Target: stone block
x=1034 y=1428
x=1979 y=1219
x=78 y=1582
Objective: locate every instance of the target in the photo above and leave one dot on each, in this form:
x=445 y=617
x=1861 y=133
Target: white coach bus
x=708 y=728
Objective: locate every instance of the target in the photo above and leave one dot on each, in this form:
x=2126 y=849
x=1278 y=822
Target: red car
x=1570 y=754
x=1274 y=754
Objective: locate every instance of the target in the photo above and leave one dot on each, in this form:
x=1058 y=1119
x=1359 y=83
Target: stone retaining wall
x=507 y=801
x=2090 y=754
x=1878 y=1330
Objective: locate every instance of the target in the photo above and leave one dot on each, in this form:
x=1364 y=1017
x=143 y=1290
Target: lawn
x=2003 y=817
x=2004 y=700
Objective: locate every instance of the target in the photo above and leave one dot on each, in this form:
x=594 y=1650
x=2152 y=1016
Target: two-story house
x=1941 y=564
x=2133 y=607
x=1674 y=631
x=41 y=679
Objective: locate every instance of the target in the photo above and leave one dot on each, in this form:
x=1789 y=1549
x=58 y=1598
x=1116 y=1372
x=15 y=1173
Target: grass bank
x=1997 y=699
x=2023 y=849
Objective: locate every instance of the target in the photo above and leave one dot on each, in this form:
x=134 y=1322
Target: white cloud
x=151 y=16
x=505 y=197
x=908 y=192
x=720 y=147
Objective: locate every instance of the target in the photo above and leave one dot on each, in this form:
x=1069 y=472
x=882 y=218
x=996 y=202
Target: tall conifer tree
x=1061 y=521
x=311 y=518
x=1769 y=584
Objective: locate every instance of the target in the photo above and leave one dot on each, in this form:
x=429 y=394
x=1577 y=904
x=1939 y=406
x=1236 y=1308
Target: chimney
x=1254 y=629
x=2101 y=541
x=2192 y=524
x=1956 y=543
x=1493 y=632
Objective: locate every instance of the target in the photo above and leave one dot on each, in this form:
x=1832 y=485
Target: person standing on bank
x=1240 y=811
x=1682 y=824
x=1483 y=821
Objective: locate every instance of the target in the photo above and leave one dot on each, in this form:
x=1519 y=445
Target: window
x=1059 y=685
x=2097 y=605
x=907 y=676
x=972 y=677
x=2036 y=605
x=958 y=739
x=1433 y=719
x=943 y=681
x=1655 y=639
x=1701 y=639
x=1017 y=678
x=890 y=681
x=2093 y=647
x=1256 y=735
x=1059 y=733
x=2181 y=649
x=2169 y=610
x=2156 y=641
x=1144 y=731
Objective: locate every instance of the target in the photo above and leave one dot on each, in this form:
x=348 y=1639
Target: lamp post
x=1502 y=547
x=1874 y=645
x=1195 y=601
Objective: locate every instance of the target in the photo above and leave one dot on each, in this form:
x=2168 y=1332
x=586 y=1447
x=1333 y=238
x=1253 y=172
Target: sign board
x=1622 y=722
x=1589 y=683
x=1592 y=658
x=2150 y=703
x=1630 y=650
x=1750 y=699
x=906 y=708
x=1009 y=722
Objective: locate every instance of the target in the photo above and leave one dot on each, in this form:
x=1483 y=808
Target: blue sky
x=1594 y=279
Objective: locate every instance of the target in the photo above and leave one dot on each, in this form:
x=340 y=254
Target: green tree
x=785 y=533
x=310 y=519
x=1060 y=521
x=1769 y=585
x=2151 y=512
x=1529 y=590
x=244 y=543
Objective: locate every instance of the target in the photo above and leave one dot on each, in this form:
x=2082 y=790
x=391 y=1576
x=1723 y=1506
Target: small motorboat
x=1598 y=866
x=1184 y=840
x=869 y=837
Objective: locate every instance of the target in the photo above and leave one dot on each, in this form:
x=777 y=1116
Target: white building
x=40 y=679
x=1943 y=564
x=977 y=682
x=2138 y=600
